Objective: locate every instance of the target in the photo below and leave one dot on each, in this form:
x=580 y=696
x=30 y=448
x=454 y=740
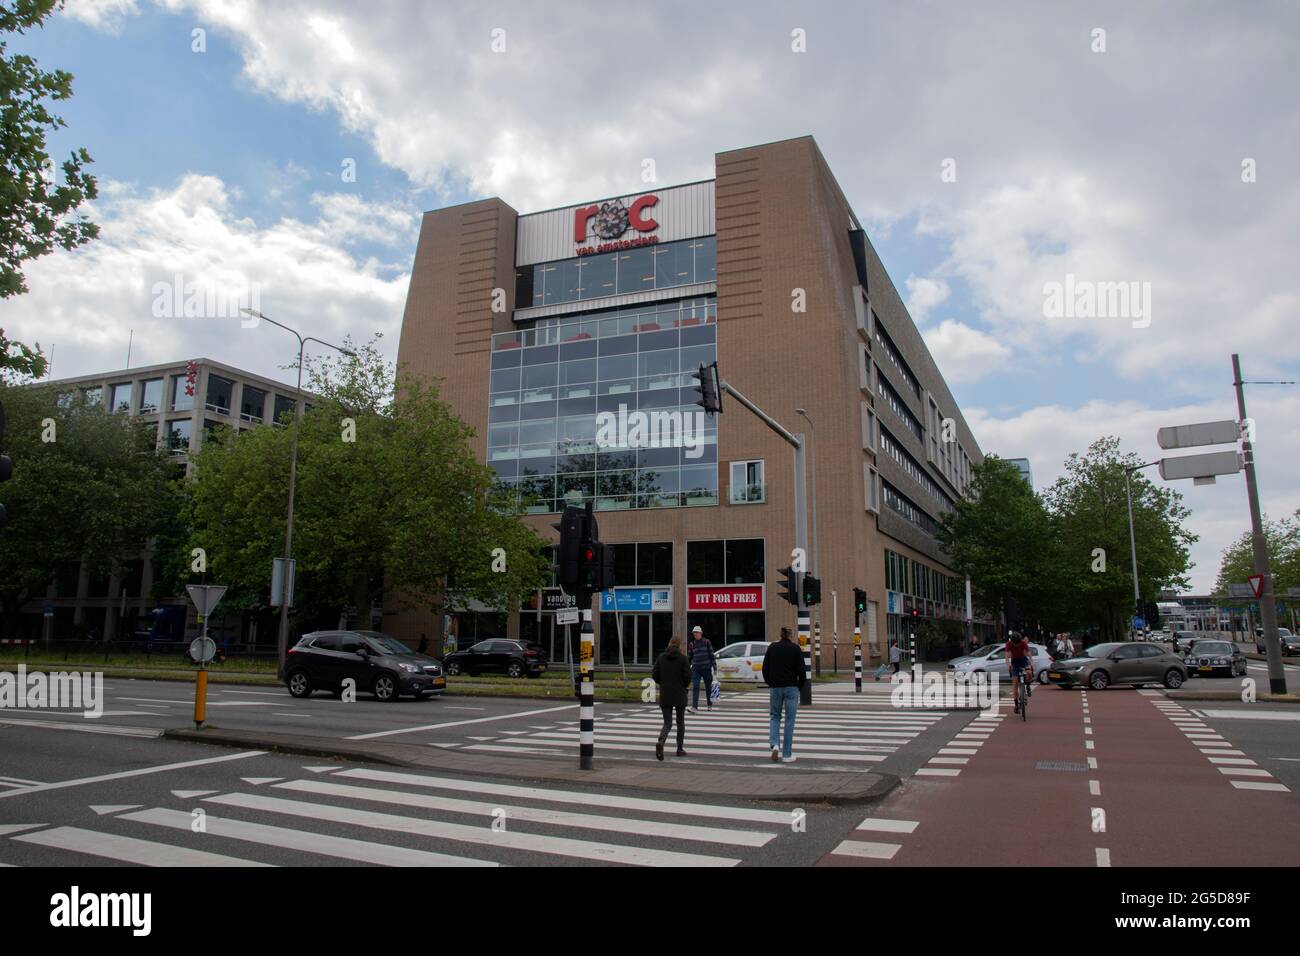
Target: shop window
x=744 y=561
x=705 y=562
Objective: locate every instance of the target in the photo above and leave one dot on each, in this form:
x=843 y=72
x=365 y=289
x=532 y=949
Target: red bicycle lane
x=1165 y=803
x=1022 y=799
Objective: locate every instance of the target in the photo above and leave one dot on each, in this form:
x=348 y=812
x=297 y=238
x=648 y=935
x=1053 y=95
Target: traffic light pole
x=1267 y=607
x=587 y=692
x=800 y=525
x=857 y=651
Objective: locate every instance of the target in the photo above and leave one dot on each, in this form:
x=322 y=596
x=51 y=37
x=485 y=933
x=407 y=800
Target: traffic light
x=916 y=613
x=710 y=391
x=573 y=533
x=597 y=564
x=812 y=590
x=1152 y=615
x=790 y=593
x=859 y=601
x=6 y=466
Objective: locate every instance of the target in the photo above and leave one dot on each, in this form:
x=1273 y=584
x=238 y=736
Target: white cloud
x=964 y=354
x=106 y=15
x=923 y=294
x=86 y=302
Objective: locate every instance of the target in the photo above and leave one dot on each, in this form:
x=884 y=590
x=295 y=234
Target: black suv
x=514 y=658
x=380 y=664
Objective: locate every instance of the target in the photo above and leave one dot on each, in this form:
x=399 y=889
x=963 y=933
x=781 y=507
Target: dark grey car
x=1120 y=663
x=382 y=665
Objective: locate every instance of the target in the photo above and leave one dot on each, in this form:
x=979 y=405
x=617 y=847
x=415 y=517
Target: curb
x=831 y=787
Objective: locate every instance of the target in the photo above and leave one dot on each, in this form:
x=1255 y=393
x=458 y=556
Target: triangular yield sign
x=1256 y=584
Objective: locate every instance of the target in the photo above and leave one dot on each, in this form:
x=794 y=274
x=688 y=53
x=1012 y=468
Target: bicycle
x=1023 y=693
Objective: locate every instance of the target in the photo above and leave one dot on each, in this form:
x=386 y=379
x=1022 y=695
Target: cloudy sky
x=990 y=149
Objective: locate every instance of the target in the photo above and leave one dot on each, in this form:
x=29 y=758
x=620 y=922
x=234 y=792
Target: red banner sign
x=743 y=598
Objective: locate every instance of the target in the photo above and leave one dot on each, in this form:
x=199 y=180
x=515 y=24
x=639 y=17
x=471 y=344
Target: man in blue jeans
x=783 y=671
x=702 y=661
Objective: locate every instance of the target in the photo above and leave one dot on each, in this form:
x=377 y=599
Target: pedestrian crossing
x=1240 y=770
x=841 y=728
x=375 y=817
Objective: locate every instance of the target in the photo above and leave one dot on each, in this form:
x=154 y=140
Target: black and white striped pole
x=857 y=655
x=817 y=643
x=587 y=693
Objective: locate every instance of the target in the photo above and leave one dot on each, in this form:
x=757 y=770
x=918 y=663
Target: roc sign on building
x=611 y=306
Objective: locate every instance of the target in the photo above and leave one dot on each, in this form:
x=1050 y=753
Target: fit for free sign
x=726 y=598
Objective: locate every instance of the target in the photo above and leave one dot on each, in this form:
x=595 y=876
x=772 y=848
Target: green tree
x=999 y=534
x=36 y=214
x=86 y=485
x=1283 y=539
x=1090 y=518
x=390 y=497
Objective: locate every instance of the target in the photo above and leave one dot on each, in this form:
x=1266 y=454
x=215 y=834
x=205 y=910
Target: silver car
x=992 y=659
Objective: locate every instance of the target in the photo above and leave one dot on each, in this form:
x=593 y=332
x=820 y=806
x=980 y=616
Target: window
x=660 y=266
x=734 y=561
x=220 y=394
x=900 y=503
x=93 y=396
x=252 y=404
x=896 y=404
x=284 y=409
x=180 y=401
x=891 y=353
x=654 y=563
x=178 y=436
x=868 y=428
x=326 y=642
x=119 y=397
x=862 y=312
x=744 y=561
x=350 y=644
x=871 y=486
x=747 y=482
x=704 y=562
x=151 y=394
x=915 y=471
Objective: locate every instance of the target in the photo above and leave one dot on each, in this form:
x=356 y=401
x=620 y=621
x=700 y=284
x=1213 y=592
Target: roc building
x=569 y=340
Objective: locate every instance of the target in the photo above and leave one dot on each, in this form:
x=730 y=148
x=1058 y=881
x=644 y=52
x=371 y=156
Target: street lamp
x=282 y=642
x=816 y=570
x=1132 y=540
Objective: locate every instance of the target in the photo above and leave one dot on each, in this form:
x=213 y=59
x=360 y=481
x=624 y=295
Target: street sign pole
x=1267 y=609
x=205 y=598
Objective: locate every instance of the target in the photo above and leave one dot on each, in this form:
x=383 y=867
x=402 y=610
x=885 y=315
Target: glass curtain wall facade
x=549 y=383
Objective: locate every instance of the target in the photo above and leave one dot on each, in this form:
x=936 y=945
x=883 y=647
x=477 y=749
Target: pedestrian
x=672 y=673
x=702 y=661
x=783 y=672
x=1069 y=646
x=895 y=655
x=424 y=643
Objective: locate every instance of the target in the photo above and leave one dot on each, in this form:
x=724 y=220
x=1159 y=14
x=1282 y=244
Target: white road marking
x=1094 y=788
x=122 y=775
x=1254 y=785
x=360 y=851
x=956 y=760
x=558 y=846
x=1243 y=772
x=127 y=849
x=867 y=851
x=1239 y=761
x=1103 y=857
x=936 y=772
x=460 y=723
x=1252 y=714
x=106 y=808
x=881 y=825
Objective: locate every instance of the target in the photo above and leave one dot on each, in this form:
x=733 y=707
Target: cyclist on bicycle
x=1019 y=657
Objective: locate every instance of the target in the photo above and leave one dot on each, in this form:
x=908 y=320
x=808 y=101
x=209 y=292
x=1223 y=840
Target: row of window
x=900 y=503
x=896 y=404
x=913 y=468
x=606 y=374
x=949 y=456
x=660 y=266
x=717 y=561
x=894 y=356
x=220 y=392
x=668 y=486
x=909 y=576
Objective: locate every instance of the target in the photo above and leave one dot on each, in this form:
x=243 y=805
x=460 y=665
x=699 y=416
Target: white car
x=742 y=661
x=992 y=659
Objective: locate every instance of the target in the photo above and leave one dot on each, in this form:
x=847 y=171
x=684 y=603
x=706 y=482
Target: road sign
x=277 y=580
x=1206 y=433
x=1201 y=466
x=568 y=615
x=1240 y=590
x=203 y=649
x=1139 y=624
x=1256 y=584
x=205 y=596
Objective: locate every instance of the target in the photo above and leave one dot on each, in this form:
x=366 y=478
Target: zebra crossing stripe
x=481 y=835
x=867 y=851
x=358 y=851
x=563 y=818
x=804 y=754
x=126 y=849
x=612 y=801
x=881 y=825
x=563 y=736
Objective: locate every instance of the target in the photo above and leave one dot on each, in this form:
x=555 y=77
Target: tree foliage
x=86 y=484
x=1283 y=539
x=390 y=498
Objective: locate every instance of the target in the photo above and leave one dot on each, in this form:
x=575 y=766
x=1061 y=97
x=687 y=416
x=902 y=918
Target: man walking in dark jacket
x=702 y=661
x=783 y=671
x=673 y=675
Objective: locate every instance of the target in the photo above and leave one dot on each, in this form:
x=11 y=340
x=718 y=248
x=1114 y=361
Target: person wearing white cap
x=702 y=661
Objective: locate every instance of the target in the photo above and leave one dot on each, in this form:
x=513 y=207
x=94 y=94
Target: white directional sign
x=1201 y=466
x=568 y=615
x=1205 y=433
x=1240 y=591
x=205 y=596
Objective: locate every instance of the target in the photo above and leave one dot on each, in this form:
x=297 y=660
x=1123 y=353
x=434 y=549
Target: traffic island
x=777 y=782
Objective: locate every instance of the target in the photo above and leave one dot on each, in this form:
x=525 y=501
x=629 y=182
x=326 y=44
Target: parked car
x=1290 y=643
x=742 y=661
x=1215 y=658
x=1120 y=663
x=512 y=658
x=381 y=665
x=992 y=659
x=1157 y=636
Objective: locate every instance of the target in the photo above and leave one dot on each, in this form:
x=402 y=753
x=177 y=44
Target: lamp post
x=815 y=566
x=282 y=642
x=1132 y=540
